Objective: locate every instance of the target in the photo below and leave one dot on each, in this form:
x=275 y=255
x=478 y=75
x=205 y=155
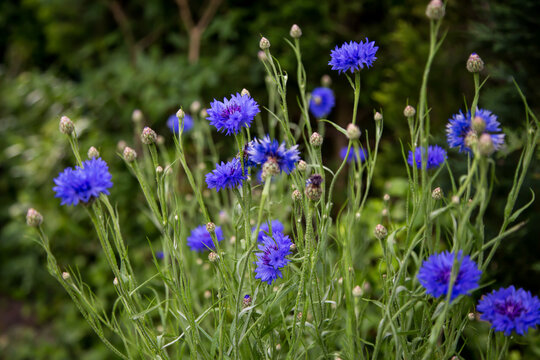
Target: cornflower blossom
x=436 y=155
x=261 y=151
x=227 y=175
x=272 y=257
x=461 y=126
x=322 y=101
x=201 y=240
x=435 y=272
x=508 y=309
x=231 y=115
x=264 y=229
x=352 y=154
x=83 y=183
x=173 y=123
x=353 y=56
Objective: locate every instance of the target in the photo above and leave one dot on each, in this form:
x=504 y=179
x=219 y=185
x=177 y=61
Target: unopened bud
x=160 y=140
x=203 y=114
x=471 y=316
x=195 y=106
x=296 y=195
x=475 y=63
x=353 y=132
x=278 y=347
x=485 y=145
x=213 y=257
x=211 y=227
x=455 y=199
x=435 y=10
x=478 y=124
x=471 y=139
x=357 y=291
x=245 y=92
x=246 y=301
x=326 y=80
x=262 y=55
x=409 y=111
x=66 y=125
x=292 y=247
x=121 y=145
x=33 y=217
x=137 y=116
x=93 y=153
x=301 y=166
x=264 y=43
x=386 y=197
x=380 y=232
x=65 y=275
x=207 y=294
x=378 y=116
x=437 y=193
x=159 y=170
x=295 y=32
x=148 y=136
x=115 y=281
x=129 y=154
x=269 y=169
x=316 y=139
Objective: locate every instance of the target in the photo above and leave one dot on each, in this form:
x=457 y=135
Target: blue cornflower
x=272 y=258
x=435 y=273
x=83 y=183
x=352 y=154
x=227 y=175
x=353 y=56
x=231 y=115
x=277 y=226
x=174 y=124
x=322 y=101
x=461 y=126
x=201 y=240
x=510 y=310
x=160 y=255
x=436 y=155
x=260 y=151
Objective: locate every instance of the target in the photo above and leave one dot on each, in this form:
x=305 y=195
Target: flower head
x=260 y=151
x=173 y=123
x=353 y=56
x=435 y=272
x=272 y=257
x=231 y=115
x=460 y=127
x=510 y=310
x=83 y=183
x=352 y=154
x=436 y=155
x=322 y=101
x=227 y=175
x=201 y=240
x=264 y=229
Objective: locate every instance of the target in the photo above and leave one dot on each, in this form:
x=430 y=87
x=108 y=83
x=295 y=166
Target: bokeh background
x=97 y=61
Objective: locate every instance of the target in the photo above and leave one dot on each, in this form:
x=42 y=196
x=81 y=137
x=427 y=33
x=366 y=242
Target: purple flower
x=434 y=274
x=436 y=155
x=322 y=101
x=263 y=150
x=264 y=229
x=461 y=126
x=353 y=56
x=231 y=115
x=227 y=175
x=201 y=240
x=352 y=154
x=83 y=183
x=273 y=257
x=174 y=124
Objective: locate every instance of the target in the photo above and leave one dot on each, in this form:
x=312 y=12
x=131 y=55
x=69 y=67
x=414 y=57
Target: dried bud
x=245 y=92
x=262 y=55
x=357 y=291
x=313 y=187
x=211 y=227
x=296 y=195
x=129 y=154
x=409 y=111
x=326 y=80
x=485 y=145
x=435 y=10
x=65 y=275
x=213 y=257
x=380 y=232
x=437 y=193
x=301 y=166
x=93 y=153
x=478 y=124
x=33 y=218
x=295 y=32
x=377 y=116
x=353 y=132
x=195 y=107
x=316 y=139
x=148 y=136
x=246 y=301
x=264 y=43
x=475 y=63
x=66 y=125
x=137 y=116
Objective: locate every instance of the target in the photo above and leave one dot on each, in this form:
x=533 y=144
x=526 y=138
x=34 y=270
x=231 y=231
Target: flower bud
x=160 y=140
x=213 y=257
x=269 y=169
x=195 y=106
x=455 y=199
x=264 y=43
x=292 y=247
x=357 y=291
x=316 y=139
x=296 y=196
x=245 y=92
x=353 y=132
x=386 y=198
x=301 y=166
x=211 y=227
x=295 y=32
x=485 y=145
x=471 y=316
x=262 y=55
x=326 y=80
x=377 y=116
x=380 y=232
x=278 y=347
x=93 y=153
x=246 y=301
x=437 y=193
x=65 y=275
x=66 y=125
x=129 y=154
x=409 y=111
x=121 y=145
x=180 y=114
x=435 y=10
x=115 y=281
x=159 y=170
x=33 y=218
x=148 y=136
x=475 y=63
x=478 y=124
x=137 y=116
x=471 y=139
x=313 y=187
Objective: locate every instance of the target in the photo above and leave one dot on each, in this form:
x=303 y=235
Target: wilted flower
x=436 y=155
x=227 y=175
x=201 y=240
x=231 y=115
x=353 y=56
x=322 y=101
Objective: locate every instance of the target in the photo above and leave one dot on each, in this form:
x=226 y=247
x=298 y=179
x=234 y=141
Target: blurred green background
x=97 y=61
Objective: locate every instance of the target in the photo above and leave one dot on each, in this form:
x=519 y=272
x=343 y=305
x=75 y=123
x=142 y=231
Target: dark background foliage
x=97 y=61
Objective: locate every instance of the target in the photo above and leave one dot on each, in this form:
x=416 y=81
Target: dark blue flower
x=83 y=183
x=201 y=240
x=160 y=255
x=510 y=310
x=263 y=150
x=227 y=175
x=273 y=257
x=231 y=115
x=436 y=155
x=277 y=226
x=174 y=124
x=322 y=101
x=434 y=274
x=460 y=126
x=352 y=154
x=353 y=56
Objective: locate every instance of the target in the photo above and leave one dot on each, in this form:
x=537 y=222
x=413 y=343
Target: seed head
x=377 y=116
x=33 y=218
x=435 y=10
x=475 y=63
x=437 y=193
x=301 y=166
x=380 y=232
x=129 y=154
x=409 y=111
x=137 y=116
x=66 y=125
x=316 y=139
x=295 y=32
x=149 y=136
x=485 y=145
x=93 y=153
x=353 y=132
x=264 y=43
x=211 y=227
x=213 y=257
